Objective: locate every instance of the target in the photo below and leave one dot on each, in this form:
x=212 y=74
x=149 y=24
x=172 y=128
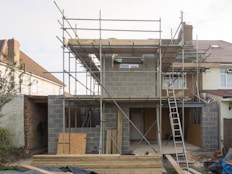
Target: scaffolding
x=87 y=54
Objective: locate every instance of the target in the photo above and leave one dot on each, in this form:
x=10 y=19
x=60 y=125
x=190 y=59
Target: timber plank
x=119 y=132
x=30 y=167
x=104 y=163
x=108 y=142
x=114 y=141
x=129 y=171
x=175 y=165
x=97 y=157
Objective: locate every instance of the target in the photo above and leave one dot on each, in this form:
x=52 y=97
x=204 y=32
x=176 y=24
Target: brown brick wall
x=35 y=124
x=227 y=129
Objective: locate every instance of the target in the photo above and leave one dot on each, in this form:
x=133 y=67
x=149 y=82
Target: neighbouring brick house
x=25 y=116
x=133 y=74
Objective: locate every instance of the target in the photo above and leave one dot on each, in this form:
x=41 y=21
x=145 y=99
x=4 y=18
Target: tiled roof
x=35 y=68
x=218 y=51
x=221 y=93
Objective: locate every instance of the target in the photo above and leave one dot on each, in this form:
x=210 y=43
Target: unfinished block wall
x=134 y=82
x=55 y=122
x=209 y=131
x=55 y=126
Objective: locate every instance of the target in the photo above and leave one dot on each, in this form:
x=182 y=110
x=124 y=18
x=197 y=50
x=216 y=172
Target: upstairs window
x=178 y=80
x=127 y=62
x=226 y=78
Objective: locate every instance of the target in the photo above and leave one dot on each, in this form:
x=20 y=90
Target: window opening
x=82 y=117
x=123 y=61
x=178 y=81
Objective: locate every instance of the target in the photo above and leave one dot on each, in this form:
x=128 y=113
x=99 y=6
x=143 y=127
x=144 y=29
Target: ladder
x=177 y=133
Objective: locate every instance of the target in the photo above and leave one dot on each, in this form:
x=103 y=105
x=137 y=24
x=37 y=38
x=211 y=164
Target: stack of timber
x=104 y=164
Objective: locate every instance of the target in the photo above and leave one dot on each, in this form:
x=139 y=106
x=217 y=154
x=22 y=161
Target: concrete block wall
x=210 y=127
x=55 y=122
x=129 y=82
x=55 y=126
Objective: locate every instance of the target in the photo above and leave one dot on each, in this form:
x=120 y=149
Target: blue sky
x=34 y=23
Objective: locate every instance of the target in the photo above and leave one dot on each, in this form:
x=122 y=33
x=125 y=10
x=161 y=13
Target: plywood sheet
x=71 y=143
x=149 y=120
x=194 y=134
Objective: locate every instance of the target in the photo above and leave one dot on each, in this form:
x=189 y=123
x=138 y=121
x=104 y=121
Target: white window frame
x=177 y=78
x=226 y=83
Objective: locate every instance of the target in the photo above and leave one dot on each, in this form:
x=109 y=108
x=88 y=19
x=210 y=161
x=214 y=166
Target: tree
x=7 y=83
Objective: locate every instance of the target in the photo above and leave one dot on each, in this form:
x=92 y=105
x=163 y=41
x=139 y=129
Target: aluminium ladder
x=177 y=133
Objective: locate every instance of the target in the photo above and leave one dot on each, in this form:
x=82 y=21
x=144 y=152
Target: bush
x=8 y=152
x=4 y=140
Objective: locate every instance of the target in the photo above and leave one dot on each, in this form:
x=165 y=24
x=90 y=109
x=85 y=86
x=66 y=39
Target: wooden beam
x=111 y=42
x=114 y=141
x=42 y=170
x=108 y=142
x=194 y=65
x=104 y=163
x=119 y=132
x=175 y=165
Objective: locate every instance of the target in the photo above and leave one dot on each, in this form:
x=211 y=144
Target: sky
x=34 y=23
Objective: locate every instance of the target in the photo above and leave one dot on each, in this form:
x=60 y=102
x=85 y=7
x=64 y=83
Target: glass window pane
x=223 y=81
x=229 y=80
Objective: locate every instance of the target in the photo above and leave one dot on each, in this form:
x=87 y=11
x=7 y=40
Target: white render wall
x=12 y=119
x=211 y=79
x=35 y=85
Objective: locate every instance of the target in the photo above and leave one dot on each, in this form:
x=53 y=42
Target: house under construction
x=128 y=98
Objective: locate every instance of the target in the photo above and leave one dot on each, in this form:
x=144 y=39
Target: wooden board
x=149 y=126
x=175 y=165
x=71 y=143
x=119 y=132
x=194 y=134
x=42 y=170
x=114 y=141
x=108 y=142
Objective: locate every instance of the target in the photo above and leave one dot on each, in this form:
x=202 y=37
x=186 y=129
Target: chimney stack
x=188 y=33
x=13 y=51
